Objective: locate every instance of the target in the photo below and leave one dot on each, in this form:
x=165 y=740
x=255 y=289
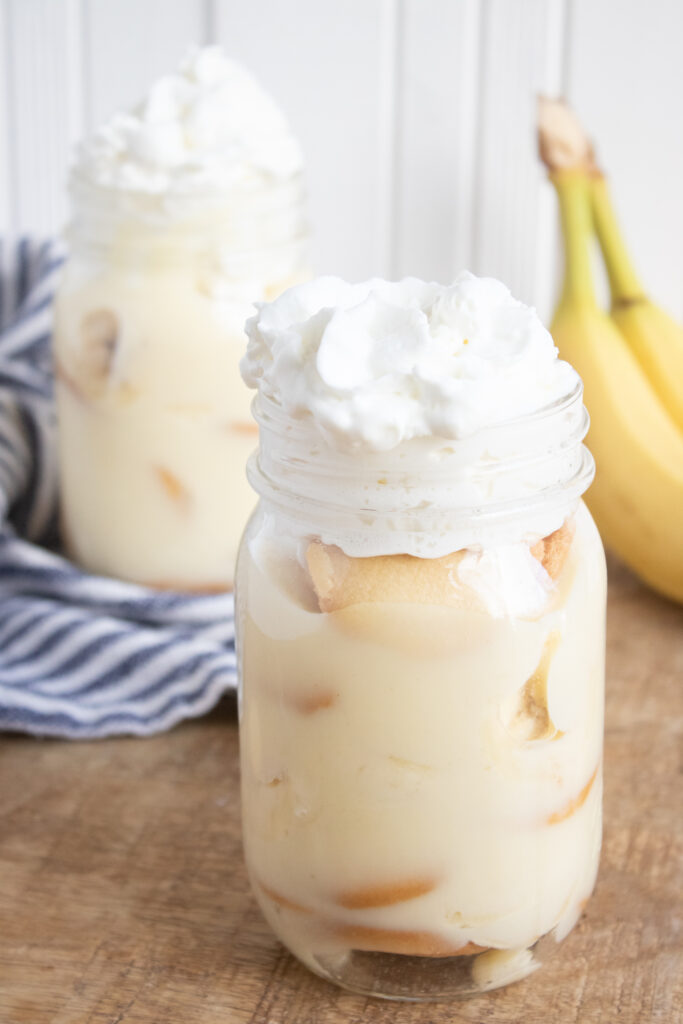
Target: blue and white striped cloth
x=80 y=655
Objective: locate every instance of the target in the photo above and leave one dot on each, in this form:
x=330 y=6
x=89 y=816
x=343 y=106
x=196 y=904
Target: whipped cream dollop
x=379 y=363
x=209 y=125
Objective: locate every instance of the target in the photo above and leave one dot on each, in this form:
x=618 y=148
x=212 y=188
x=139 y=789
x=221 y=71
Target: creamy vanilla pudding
x=420 y=598
x=185 y=211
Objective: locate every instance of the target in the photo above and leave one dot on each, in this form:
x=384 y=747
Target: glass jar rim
x=523 y=475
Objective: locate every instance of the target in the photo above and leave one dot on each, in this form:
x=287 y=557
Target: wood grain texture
x=124 y=900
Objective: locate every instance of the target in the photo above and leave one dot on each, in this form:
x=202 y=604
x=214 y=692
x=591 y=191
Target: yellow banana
x=637 y=496
x=656 y=339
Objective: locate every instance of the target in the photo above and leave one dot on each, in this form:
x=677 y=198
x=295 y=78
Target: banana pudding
x=420 y=603
x=185 y=211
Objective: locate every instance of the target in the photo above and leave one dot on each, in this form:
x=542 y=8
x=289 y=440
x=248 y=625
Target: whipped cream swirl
x=209 y=125
x=380 y=363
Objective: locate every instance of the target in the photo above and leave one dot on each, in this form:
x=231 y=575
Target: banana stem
x=577 y=231
x=623 y=280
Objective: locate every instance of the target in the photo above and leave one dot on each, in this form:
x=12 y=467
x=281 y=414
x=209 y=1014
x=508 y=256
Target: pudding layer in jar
x=185 y=212
x=421 y=623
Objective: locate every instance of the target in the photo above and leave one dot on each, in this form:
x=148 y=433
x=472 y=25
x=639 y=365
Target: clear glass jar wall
x=421 y=755
x=154 y=420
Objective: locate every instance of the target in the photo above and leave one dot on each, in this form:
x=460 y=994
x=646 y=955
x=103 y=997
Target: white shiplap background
x=417 y=118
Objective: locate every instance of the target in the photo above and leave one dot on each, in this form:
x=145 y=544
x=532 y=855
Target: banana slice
x=529 y=718
x=89 y=375
x=99 y=333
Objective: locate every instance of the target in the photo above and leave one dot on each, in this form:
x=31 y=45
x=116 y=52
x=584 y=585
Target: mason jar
x=421 y=730
x=153 y=417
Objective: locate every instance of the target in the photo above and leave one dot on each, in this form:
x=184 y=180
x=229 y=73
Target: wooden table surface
x=123 y=896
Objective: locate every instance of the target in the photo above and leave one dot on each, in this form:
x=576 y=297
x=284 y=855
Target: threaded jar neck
x=429 y=496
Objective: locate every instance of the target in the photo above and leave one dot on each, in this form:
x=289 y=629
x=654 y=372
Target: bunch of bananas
x=631 y=362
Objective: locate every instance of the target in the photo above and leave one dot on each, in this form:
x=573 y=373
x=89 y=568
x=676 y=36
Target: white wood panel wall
x=437 y=133
x=331 y=66
x=417 y=118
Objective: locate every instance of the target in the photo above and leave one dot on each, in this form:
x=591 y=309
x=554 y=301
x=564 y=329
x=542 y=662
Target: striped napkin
x=80 y=655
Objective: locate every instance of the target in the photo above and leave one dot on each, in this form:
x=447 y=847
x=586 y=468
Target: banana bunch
x=631 y=363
